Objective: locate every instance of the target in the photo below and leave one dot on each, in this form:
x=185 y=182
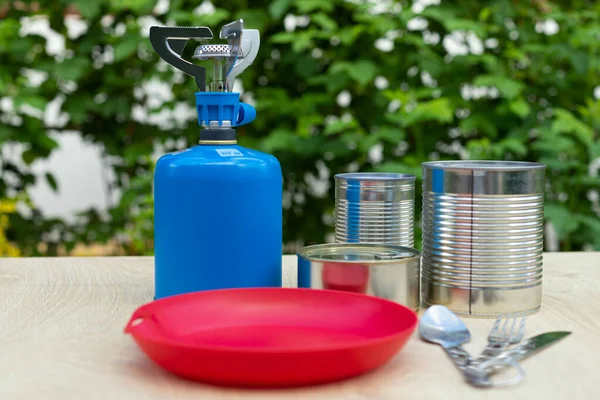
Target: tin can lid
x=374 y=176
x=358 y=252
x=492 y=165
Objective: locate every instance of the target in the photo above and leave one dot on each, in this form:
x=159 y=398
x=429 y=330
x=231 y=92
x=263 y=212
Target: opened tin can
x=483 y=231
x=386 y=271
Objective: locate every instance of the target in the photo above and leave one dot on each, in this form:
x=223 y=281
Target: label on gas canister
x=229 y=152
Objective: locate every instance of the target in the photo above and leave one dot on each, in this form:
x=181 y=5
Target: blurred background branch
x=86 y=107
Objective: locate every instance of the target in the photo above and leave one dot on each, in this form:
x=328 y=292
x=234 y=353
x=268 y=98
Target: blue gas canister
x=217 y=205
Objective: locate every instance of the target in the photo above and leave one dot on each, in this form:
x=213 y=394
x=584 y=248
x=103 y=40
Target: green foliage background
x=541 y=108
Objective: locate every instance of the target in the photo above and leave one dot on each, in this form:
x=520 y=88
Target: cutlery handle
x=459 y=356
x=478 y=374
x=462 y=360
x=481 y=374
x=491 y=350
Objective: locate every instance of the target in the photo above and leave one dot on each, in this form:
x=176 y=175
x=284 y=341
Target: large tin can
x=483 y=228
x=375 y=208
x=385 y=271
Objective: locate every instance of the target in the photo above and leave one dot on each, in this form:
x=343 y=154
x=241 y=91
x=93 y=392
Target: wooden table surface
x=61 y=337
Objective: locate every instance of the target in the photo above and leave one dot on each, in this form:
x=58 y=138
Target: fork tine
x=518 y=331
x=522 y=328
x=512 y=327
x=495 y=327
x=505 y=331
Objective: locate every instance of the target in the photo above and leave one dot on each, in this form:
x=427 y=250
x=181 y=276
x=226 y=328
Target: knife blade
x=533 y=345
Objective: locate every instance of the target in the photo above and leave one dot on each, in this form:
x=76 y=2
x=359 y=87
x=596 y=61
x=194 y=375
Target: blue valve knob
x=247 y=114
x=223 y=106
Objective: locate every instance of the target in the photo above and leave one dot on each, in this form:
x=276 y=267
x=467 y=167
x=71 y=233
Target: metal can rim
x=488 y=165
x=375 y=176
x=311 y=253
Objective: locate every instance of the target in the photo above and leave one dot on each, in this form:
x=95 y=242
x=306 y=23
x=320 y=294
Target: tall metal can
x=217 y=205
x=483 y=232
x=375 y=208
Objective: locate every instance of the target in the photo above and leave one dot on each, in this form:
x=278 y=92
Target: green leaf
x=138 y=6
x=566 y=122
x=387 y=134
x=510 y=88
x=579 y=60
x=324 y=21
x=447 y=17
x=180 y=17
x=220 y=16
x=302 y=42
x=51 y=181
x=279 y=139
x=398 y=94
x=551 y=143
x=349 y=34
x=136 y=151
x=336 y=146
x=257 y=19
x=480 y=148
x=520 y=107
x=594 y=150
x=362 y=71
x=283 y=37
x=334 y=83
x=126 y=47
x=478 y=122
x=46 y=143
x=28 y=156
x=278 y=8
x=591 y=182
x=7 y=133
x=391 y=135
x=370 y=140
x=306 y=124
x=76 y=107
x=557 y=165
x=512 y=145
x=440 y=13
x=561 y=218
x=516 y=54
x=339 y=126
x=32 y=100
x=485 y=14
x=434 y=110
x=71 y=69
x=307 y=6
x=88 y=9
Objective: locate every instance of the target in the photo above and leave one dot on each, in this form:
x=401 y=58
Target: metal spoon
x=441 y=326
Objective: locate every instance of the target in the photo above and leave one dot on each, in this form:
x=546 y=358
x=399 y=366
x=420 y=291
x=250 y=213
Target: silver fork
x=507 y=330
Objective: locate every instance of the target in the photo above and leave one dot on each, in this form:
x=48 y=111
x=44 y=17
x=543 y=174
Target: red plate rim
x=291 y=350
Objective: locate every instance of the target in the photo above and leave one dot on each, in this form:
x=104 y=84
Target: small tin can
x=386 y=271
x=483 y=231
x=375 y=208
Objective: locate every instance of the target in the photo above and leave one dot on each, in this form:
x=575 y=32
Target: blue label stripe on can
x=353 y=221
x=438 y=180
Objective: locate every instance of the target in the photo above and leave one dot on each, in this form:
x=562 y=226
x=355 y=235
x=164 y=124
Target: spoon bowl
x=441 y=326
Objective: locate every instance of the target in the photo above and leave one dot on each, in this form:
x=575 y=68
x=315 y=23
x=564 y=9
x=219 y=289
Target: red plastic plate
x=271 y=337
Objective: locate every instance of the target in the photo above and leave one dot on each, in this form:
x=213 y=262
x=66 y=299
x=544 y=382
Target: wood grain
x=62 y=320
